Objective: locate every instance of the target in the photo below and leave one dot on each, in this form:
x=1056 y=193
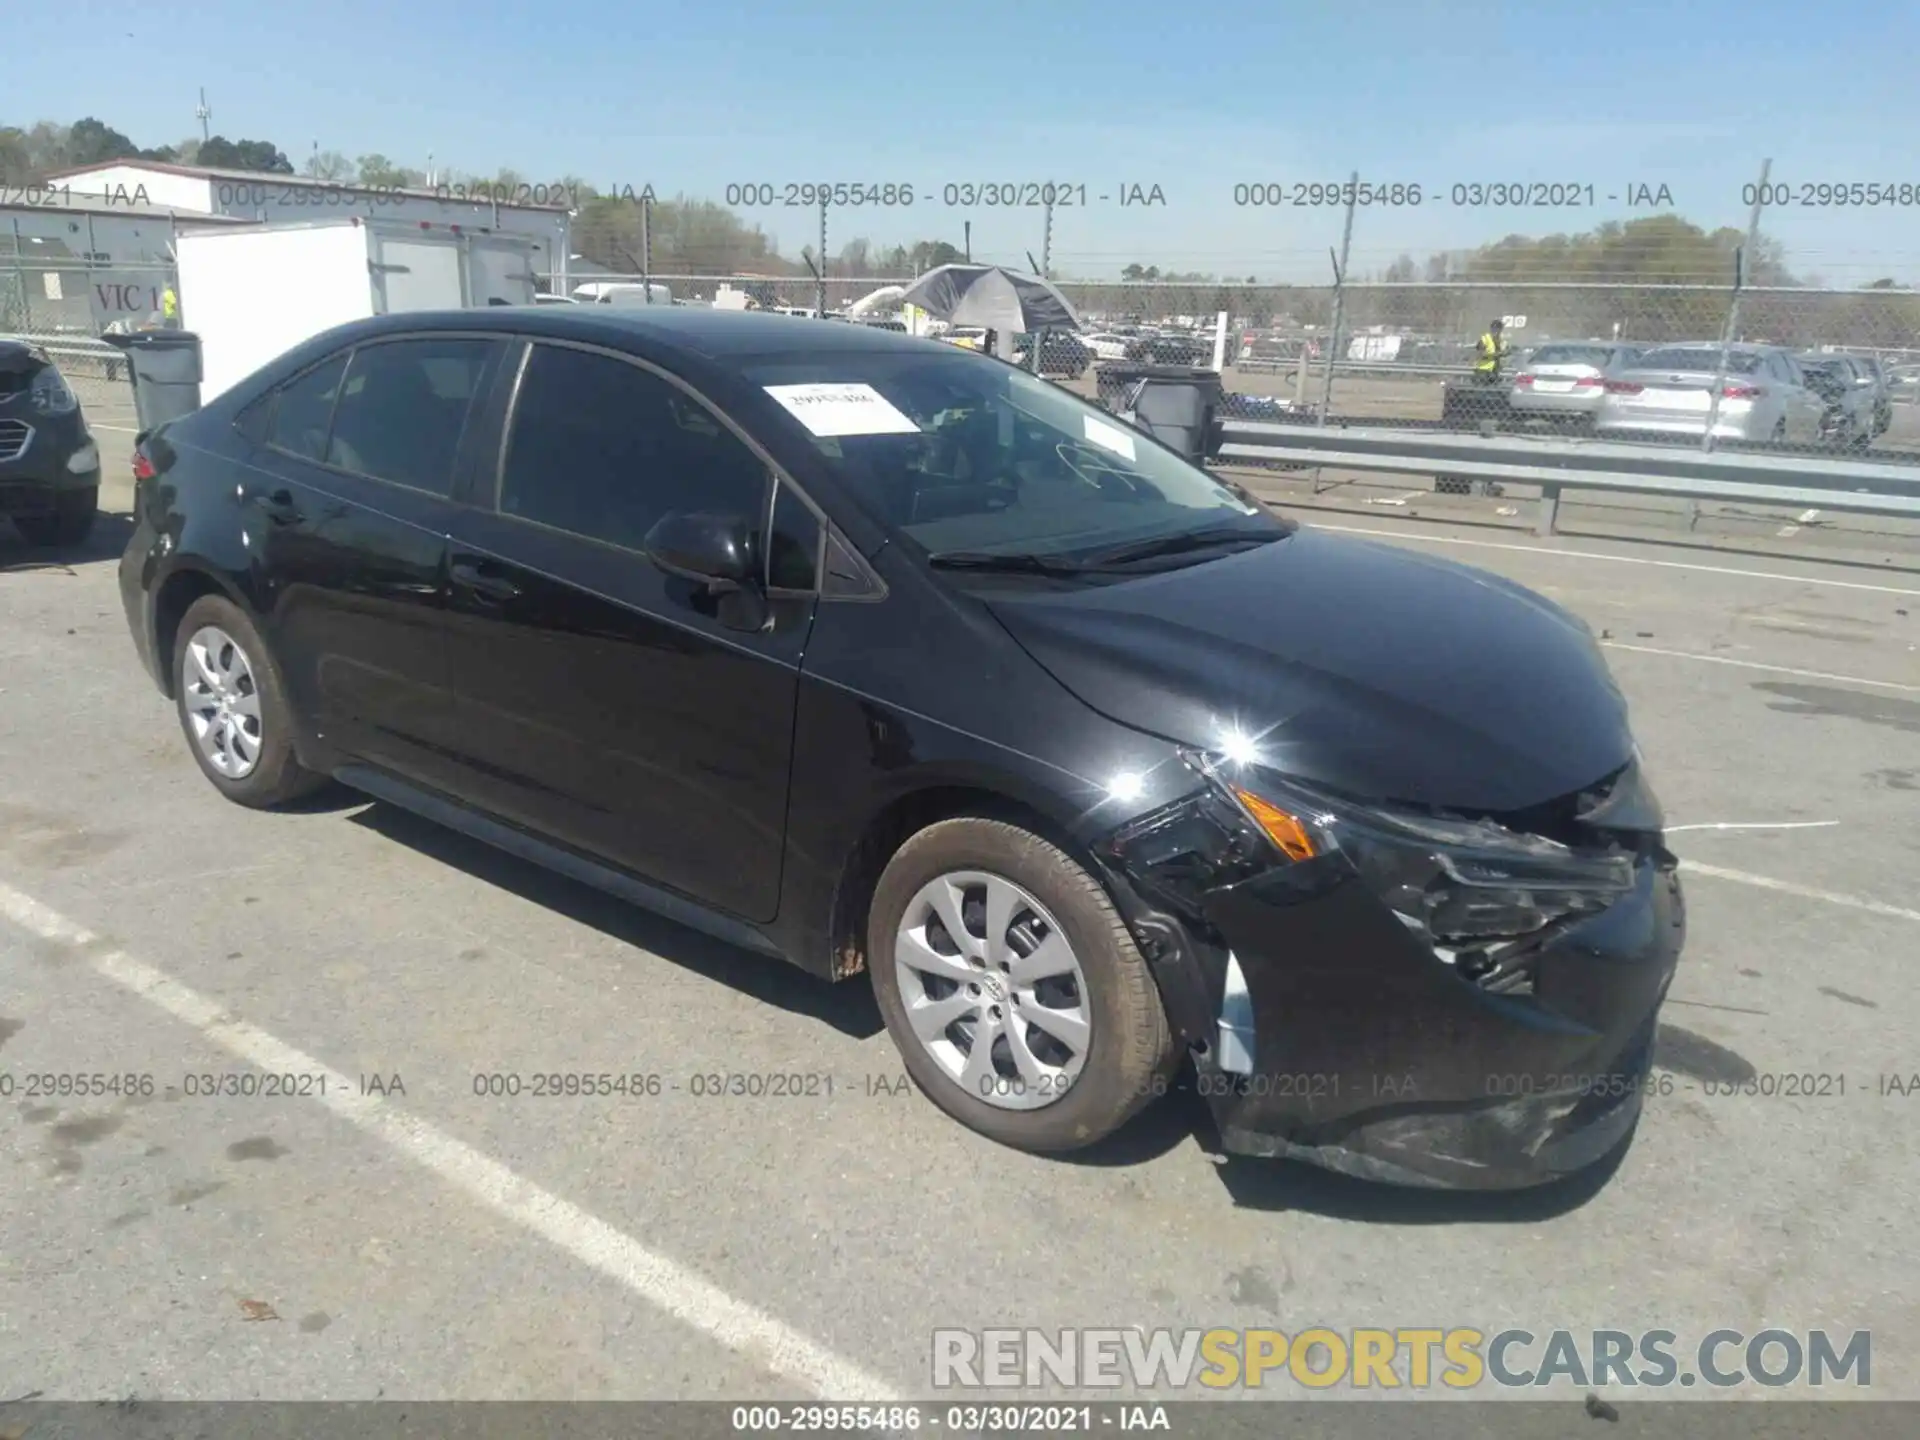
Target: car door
x=1804 y=406
x=350 y=487
x=606 y=705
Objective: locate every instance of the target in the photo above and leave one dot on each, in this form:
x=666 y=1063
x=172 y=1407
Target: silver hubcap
x=993 y=990
x=222 y=702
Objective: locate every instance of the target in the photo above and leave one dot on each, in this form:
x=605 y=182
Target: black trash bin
x=1113 y=379
x=1179 y=405
x=1473 y=405
x=164 y=368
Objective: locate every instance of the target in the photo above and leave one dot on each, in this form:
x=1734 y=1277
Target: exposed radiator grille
x=14 y=435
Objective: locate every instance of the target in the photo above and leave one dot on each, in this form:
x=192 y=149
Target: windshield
x=1704 y=360
x=985 y=458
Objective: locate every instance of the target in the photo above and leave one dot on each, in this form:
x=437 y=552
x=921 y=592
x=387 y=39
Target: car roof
x=1707 y=347
x=707 y=334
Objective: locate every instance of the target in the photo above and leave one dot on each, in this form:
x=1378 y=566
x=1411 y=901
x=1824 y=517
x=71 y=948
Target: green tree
x=93 y=142
x=377 y=170
x=16 y=157
x=258 y=156
x=329 y=165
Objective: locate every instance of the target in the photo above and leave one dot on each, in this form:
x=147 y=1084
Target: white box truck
x=252 y=293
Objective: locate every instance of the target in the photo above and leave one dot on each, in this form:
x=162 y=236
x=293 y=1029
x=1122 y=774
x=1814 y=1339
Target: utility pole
x=1730 y=331
x=820 y=286
x=646 y=244
x=203 y=112
x=1339 y=296
x=1046 y=243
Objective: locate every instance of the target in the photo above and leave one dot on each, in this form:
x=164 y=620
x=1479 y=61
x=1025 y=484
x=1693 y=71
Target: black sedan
x=1062 y=355
x=1171 y=349
x=871 y=654
x=49 y=464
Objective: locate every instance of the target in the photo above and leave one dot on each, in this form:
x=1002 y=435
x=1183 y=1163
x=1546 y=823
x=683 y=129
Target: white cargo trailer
x=253 y=293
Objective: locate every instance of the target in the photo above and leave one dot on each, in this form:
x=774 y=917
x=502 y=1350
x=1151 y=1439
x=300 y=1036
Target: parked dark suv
x=872 y=654
x=49 y=464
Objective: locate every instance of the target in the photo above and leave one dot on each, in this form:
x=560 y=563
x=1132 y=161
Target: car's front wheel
x=234 y=709
x=1013 y=988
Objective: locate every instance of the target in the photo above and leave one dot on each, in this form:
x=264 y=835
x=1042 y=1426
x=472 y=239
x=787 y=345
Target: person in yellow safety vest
x=169 y=308
x=1489 y=351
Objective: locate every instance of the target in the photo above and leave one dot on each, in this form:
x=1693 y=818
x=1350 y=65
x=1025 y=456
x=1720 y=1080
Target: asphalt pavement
x=402 y=1236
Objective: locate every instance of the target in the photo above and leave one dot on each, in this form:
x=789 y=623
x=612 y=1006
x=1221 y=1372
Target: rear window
x=1571 y=355
x=1702 y=361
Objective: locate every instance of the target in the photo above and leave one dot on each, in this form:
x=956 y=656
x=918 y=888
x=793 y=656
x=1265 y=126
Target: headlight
x=1458 y=883
x=50 y=393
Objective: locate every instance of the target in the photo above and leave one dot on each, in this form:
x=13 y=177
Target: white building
x=291 y=199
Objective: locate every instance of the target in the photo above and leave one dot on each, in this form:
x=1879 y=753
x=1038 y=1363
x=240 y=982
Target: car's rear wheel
x=1013 y=988
x=233 y=708
x=70 y=523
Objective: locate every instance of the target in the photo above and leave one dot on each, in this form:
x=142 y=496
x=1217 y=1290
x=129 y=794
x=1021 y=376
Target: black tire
x=277 y=776
x=1132 y=1049
x=69 y=524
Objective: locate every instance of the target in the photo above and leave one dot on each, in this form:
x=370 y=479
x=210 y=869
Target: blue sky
x=1195 y=99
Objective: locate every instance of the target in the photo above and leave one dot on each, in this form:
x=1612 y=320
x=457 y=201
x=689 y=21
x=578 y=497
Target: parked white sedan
x=1668 y=392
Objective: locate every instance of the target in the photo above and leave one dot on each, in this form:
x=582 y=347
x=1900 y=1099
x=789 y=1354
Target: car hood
x=1371 y=669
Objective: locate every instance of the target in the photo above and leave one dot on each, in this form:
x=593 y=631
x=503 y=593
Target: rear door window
x=404 y=407
x=303 y=410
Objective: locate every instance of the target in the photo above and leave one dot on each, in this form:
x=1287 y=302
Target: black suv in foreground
x=49 y=464
x=872 y=654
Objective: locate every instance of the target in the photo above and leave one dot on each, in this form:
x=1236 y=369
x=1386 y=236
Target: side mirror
x=715 y=551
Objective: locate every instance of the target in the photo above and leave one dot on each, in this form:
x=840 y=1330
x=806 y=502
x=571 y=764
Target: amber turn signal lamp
x=1283 y=829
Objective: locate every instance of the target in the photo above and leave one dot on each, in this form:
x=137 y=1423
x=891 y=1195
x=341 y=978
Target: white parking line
x=1806 y=518
x=1805 y=892
x=1755 y=825
x=661 y=1282
x=1759 y=665
x=1616 y=559
x=123 y=429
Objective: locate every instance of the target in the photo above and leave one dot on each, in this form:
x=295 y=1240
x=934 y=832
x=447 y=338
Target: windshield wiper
x=1180 y=544
x=1017 y=563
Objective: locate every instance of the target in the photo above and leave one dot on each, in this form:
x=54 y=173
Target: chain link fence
x=1383 y=352
x=1573 y=355
x=65 y=303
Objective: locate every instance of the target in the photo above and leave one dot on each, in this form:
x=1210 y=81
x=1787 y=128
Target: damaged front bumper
x=1337 y=1032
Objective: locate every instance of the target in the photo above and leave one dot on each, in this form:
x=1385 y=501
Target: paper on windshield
x=843 y=409
x=1110 y=437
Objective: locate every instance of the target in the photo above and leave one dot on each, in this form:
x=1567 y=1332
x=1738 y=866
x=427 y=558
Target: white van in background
x=622 y=292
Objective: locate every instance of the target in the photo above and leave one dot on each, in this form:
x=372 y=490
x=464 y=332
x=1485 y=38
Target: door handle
x=477 y=579
x=279 y=506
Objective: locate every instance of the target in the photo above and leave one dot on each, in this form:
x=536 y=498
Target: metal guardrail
x=1558 y=465
x=1351 y=367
